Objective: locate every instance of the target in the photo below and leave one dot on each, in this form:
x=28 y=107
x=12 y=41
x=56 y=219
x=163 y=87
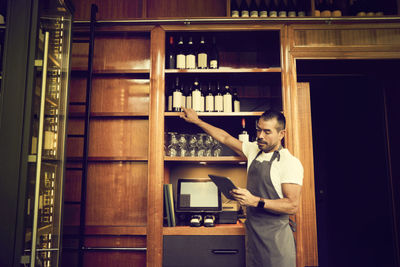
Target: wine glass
x=182 y=145
x=200 y=144
x=208 y=143
x=192 y=145
x=217 y=148
x=172 y=148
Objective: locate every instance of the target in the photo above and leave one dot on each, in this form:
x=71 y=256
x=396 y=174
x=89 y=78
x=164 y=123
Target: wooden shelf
x=204 y=160
x=109 y=114
x=219 y=229
x=108 y=159
x=216 y=114
x=107 y=230
x=225 y=70
x=114 y=72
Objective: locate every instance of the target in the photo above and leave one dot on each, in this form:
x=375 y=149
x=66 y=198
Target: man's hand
x=189 y=115
x=244 y=197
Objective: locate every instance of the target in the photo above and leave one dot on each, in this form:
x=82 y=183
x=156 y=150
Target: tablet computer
x=224 y=184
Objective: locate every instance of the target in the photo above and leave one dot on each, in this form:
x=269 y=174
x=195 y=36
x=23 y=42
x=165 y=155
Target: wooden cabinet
x=127 y=161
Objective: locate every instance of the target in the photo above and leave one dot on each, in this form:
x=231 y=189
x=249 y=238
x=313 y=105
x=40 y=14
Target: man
x=274 y=179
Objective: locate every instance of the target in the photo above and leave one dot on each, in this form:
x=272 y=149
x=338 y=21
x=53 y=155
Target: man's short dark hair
x=274 y=114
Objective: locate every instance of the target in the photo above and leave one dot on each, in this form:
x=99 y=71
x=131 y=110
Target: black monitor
x=198 y=195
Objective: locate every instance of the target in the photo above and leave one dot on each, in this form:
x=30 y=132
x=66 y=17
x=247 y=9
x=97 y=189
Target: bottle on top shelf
x=291 y=9
x=336 y=9
x=190 y=55
x=273 y=9
x=234 y=9
x=202 y=61
x=253 y=9
x=218 y=99
x=177 y=96
x=326 y=9
x=244 y=136
x=209 y=99
x=301 y=8
x=180 y=54
x=213 y=56
x=244 y=9
x=170 y=97
x=282 y=9
x=263 y=9
x=317 y=8
x=171 y=56
x=227 y=99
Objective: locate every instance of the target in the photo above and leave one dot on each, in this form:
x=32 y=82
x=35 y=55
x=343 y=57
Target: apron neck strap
x=276 y=154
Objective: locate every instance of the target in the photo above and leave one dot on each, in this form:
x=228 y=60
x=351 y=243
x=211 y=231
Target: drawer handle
x=225 y=251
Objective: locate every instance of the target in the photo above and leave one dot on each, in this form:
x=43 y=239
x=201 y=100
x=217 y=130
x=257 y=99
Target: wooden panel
x=116 y=241
x=114 y=51
x=120 y=95
x=116 y=194
x=364 y=37
x=156 y=147
x=71 y=216
x=186 y=8
x=119 y=138
x=74 y=147
x=302 y=148
x=111 y=258
x=76 y=126
x=72 y=185
x=122 y=9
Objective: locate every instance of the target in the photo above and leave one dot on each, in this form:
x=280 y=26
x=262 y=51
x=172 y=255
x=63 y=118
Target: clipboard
x=224 y=184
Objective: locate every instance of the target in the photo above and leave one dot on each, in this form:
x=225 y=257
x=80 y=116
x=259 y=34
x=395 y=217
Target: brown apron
x=270 y=241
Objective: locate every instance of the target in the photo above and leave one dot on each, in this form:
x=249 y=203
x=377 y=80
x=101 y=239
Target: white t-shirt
x=287 y=170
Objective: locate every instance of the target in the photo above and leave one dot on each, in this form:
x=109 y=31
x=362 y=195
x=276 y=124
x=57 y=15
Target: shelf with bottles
x=105 y=115
x=357 y=8
x=269 y=8
x=228 y=51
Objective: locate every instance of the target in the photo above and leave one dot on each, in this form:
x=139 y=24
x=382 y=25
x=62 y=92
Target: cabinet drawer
x=195 y=251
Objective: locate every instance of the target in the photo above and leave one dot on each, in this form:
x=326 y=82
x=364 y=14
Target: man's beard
x=264 y=146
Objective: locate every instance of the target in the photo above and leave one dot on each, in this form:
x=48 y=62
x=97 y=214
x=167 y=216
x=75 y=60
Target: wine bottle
x=169 y=97
x=190 y=55
x=263 y=9
x=361 y=8
x=282 y=11
x=202 y=100
x=244 y=136
x=253 y=9
x=219 y=99
x=202 y=54
x=196 y=96
x=177 y=96
x=180 y=54
x=317 y=10
x=209 y=99
x=236 y=101
x=300 y=7
x=291 y=9
x=171 y=57
x=273 y=9
x=244 y=9
x=213 y=55
x=183 y=101
x=189 y=97
x=227 y=99
x=234 y=9
x=325 y=9
x=370 y=9
x=336 y=10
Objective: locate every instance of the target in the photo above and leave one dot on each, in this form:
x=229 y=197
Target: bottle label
x=244 y=137
x=317 y=13
x=219 y=103
x=210 y=103
x=301 y=14
x=227 y=103
x=180 y=61
x=235 y=13
x=282 y=14
x=202 y=61
x=201 y=103
x=176 y=99
x=254 y=14
x=34 y=145
x=190 y=61
x=196 y=100
x=263 y=14
x=338 y=13
x=236 y=106
x=273 y=14
x=245 y=14
x=189 y=101
x=48 y=140
x=214 y=64
x=292 y=14
x=169 y=108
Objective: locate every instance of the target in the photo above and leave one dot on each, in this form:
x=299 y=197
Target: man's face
x=268 y=137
